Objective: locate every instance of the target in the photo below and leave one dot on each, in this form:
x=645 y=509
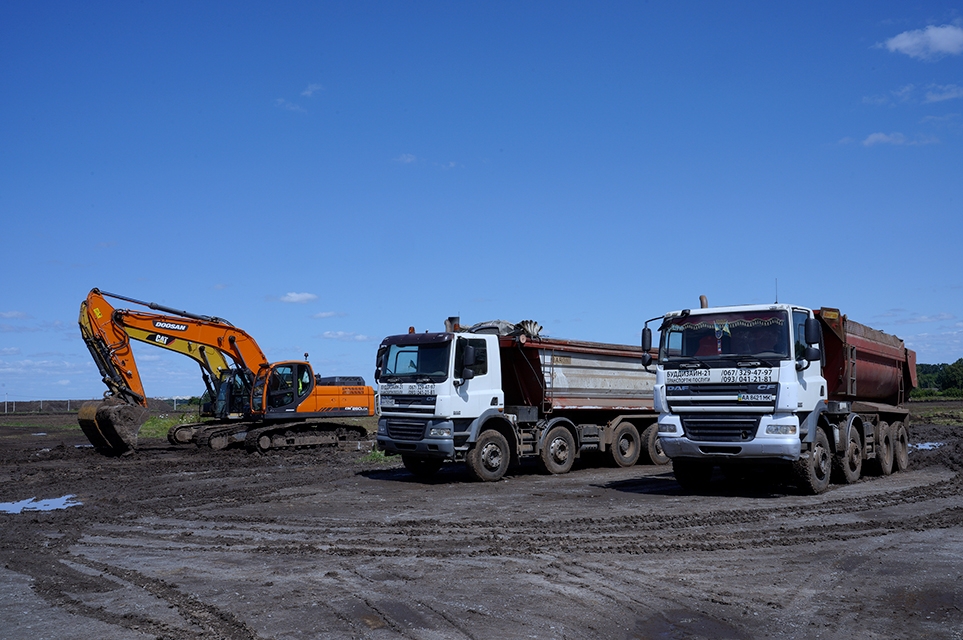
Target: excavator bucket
x=112 y=425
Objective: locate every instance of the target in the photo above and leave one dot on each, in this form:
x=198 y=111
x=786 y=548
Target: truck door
x=812 y=385
x=482 y=391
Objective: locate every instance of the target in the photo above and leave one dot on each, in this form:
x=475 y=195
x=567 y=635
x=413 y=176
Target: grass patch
x=376 y=455
x=67 y=425
x=946 y=417
x=158 y=426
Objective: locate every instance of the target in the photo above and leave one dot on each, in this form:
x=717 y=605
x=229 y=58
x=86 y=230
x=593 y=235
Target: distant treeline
x=939 y=380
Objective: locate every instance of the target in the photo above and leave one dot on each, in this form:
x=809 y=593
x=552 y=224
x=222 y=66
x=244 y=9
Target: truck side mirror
x=469 y=357
x=813 y=332
x=812 y=354
x=467 y=374
x=646 y=346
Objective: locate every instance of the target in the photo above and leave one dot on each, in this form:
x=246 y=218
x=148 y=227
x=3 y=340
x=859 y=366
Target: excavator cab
x=233 y=395
x=286 y=385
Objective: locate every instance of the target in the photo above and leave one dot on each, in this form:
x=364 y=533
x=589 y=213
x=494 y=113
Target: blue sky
x=325 y=174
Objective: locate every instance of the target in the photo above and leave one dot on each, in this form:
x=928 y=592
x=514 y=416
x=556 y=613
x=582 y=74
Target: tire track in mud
x=709 y=529
x=82 y=587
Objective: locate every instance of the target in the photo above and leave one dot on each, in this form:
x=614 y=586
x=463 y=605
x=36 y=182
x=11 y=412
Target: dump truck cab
x=735 y=382
x=435 y=391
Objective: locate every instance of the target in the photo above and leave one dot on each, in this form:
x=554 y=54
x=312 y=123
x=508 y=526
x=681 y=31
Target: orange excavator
x=260 y=404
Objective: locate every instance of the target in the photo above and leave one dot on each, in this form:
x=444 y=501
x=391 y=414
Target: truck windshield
x=739 y=334
x=416 y=362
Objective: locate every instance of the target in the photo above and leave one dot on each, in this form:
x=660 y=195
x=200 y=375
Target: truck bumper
x=432 y=447
x=764 y=446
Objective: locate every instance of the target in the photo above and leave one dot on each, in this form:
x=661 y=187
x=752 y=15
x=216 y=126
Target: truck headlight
x=439 y=432
x=781 y=430
x=382 y=429
x=667 y=427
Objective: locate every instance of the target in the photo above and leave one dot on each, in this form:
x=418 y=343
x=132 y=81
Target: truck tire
x=813 y=472
x=488 y=459
x=420 y=466
x=849 y=463
x=884 y=450
x=692 y=475
x=558 y=452
x=900 y=446
x=626 y=446
x=653 y=446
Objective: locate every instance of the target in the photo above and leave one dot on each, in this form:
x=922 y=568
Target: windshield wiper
x=754 y=362
x=683 y=360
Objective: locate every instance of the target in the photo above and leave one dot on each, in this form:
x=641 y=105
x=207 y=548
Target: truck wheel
x=692 y=475
x=488 y=459
x=625 y=448
x=884 y=451
x=558 y=454
x=421 y=467
x=900 y=446
x=813 y=472
x=849 y=465
x=653 y=445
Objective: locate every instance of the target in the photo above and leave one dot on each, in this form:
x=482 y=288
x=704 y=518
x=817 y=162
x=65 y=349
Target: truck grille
x=408 y=404
x=721 y=395
x=405 y=429
x=720 y=427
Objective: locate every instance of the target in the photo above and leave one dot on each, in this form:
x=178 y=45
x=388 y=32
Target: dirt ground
x=176 y=542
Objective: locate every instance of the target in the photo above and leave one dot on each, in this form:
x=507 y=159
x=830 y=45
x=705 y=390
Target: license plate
x=756 y=397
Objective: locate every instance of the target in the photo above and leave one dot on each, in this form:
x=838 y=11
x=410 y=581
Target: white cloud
x=299 y=298
x=9 y=328
x=281 y=103
x=12 y=314
x=312 y=88
x=897 y=139
x=9 y=351
x=344 y=336
x=330 y=314
x=929 y=43
x=940 y=317
x=939 y=93
x=62 y=383
x=884 y=138
x=406 y=158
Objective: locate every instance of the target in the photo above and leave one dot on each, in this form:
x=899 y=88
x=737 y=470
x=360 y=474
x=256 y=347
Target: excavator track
x=184 y=433
x=222 y=436
x=300 y=435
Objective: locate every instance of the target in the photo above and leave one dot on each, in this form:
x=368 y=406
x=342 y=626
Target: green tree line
x=939 y=379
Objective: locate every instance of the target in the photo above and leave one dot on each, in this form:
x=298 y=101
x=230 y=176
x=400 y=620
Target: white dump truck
x=780 y=383
x=498 y=392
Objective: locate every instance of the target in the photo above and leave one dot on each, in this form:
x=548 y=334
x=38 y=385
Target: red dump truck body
x=864 y=364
